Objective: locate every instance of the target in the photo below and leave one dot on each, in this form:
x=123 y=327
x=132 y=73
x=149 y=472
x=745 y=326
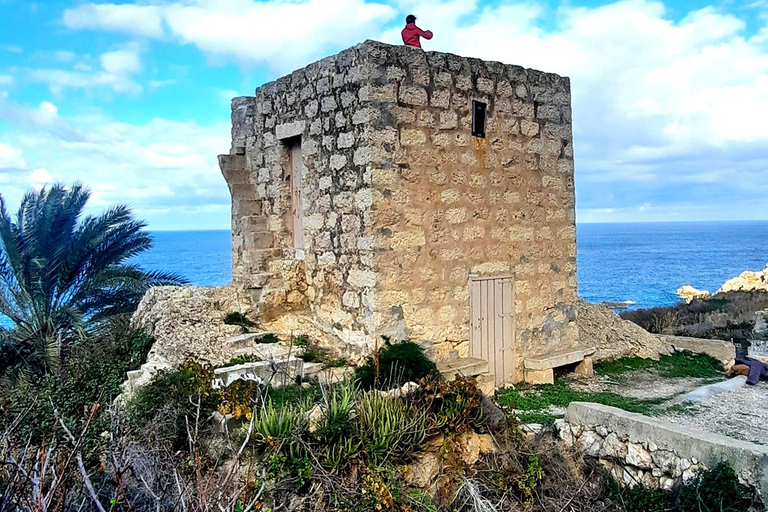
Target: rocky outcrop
x=747 y=282
x=185 y=321
x=688 y=293
x=614 y=337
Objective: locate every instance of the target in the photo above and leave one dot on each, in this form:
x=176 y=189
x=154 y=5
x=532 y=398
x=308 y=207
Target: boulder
x=688 y=293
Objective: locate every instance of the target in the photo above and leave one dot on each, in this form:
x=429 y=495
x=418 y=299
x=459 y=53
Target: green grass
x=678 y=364
x=533 y=402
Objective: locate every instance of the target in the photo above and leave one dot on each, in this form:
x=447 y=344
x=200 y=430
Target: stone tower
x=391 y=191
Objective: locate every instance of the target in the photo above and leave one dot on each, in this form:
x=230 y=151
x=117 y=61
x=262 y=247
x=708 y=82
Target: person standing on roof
x=412 y=33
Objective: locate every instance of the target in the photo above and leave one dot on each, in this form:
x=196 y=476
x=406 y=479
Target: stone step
x=275 y=373
x=275 y=351
x=466 y=366
x=246 y=340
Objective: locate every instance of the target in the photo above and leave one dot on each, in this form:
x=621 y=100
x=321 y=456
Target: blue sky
x=670 y=99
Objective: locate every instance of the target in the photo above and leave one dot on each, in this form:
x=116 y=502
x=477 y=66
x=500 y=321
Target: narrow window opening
x=478 y=118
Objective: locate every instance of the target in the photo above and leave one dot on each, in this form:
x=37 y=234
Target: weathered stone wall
x=400 y=203
x=638 y=450
x=447 y=204
x=324 y=104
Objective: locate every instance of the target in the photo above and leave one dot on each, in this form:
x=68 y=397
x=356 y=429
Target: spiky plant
x=63 y=275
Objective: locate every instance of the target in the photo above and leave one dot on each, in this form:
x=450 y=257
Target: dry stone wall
x=638 y=450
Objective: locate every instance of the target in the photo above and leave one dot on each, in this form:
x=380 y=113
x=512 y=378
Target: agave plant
x=63 y=275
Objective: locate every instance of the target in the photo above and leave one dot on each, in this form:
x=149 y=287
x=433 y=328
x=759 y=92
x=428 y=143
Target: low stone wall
x=723 y=351
x=637 y=449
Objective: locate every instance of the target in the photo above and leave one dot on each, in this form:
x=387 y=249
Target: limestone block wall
x=447 y=204
x=400 y=203
x=323 y=104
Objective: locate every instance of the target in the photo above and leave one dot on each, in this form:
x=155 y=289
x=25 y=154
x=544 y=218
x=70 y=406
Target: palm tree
x=63 y=276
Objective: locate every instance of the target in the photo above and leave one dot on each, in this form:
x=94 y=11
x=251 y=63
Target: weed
x=678 y=364
x=268 y=338
x=245 y=358
x=301 y=340
x=237 y=318
x=398 y=363
x=537 y=399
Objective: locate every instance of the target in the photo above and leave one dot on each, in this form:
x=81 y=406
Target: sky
x=670 y=99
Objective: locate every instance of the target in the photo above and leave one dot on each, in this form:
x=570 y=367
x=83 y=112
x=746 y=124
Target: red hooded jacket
x=411 y=34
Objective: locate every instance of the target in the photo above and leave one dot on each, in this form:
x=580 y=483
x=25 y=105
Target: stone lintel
x=288 y=130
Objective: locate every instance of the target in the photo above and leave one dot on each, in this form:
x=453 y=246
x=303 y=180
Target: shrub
x=93 y=375
x=715 y=490
x=454 y=406
x=239 y=398
x=398 y=363
x=169 y=403
x=245 y=358
x=638 y=498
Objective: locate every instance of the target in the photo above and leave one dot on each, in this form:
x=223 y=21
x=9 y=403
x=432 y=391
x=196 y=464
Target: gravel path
x=741 y=414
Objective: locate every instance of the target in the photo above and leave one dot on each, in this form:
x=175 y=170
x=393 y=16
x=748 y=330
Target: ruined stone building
x=391 y=191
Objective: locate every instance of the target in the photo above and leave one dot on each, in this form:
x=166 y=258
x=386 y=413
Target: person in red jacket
x=412 y=33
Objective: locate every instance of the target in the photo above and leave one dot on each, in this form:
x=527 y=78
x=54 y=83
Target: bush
x=237 y=318
x=389 y=428
x=93 y=375
x=715 y=490
x=398 y=363
x=170 y=402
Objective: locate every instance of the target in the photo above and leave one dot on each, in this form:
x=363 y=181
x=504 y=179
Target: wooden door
x=297 y=211
x=492 y=324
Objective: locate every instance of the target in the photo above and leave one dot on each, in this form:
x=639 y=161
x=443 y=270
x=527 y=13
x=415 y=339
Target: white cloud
x=122 y=62
x=142 y=20
x=7 y=80
x=281 y=34
x=10 y=156
x=166 y=170
x=117 y=72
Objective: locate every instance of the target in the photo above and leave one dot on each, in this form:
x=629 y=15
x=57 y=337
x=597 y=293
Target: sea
x=641 y=264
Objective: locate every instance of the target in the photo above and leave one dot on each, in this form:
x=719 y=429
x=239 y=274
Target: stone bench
x=541 y=369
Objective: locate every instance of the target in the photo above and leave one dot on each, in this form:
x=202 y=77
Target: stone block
x=546 y=376
x=585 y=367
x=413 y=95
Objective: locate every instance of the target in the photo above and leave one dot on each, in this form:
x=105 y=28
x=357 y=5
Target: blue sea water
x=640 y=262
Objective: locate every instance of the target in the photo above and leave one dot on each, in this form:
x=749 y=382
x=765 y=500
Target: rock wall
x=638 y=450
x=447 y=205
